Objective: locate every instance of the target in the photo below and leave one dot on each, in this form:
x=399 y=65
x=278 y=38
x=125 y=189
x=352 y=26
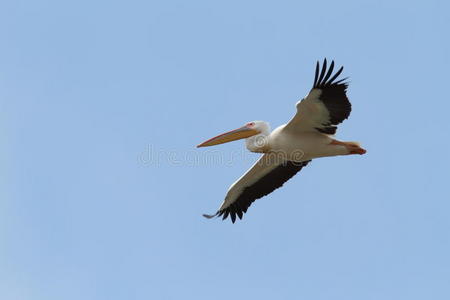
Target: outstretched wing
x=265 y=176
x=325 y=106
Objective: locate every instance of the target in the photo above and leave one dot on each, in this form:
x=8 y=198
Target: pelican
x=290 y=147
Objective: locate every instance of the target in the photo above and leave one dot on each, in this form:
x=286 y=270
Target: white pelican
x=292 y=146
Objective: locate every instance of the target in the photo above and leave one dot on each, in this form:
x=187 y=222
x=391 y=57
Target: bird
x=292 y=146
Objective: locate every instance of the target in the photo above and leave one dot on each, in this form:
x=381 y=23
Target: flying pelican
x=290 y=147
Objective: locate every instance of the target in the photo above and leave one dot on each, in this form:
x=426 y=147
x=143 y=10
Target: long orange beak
x=237 y=134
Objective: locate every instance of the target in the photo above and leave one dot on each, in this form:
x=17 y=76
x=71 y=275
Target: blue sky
x=102 y=188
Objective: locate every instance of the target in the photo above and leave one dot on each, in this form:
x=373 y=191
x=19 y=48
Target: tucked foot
x=354 y=148
x=358 y=150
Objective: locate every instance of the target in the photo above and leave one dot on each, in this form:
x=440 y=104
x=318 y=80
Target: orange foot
x=352 y=147
x=357 y=150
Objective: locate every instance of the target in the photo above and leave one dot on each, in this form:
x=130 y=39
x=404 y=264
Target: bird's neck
x=258 y=143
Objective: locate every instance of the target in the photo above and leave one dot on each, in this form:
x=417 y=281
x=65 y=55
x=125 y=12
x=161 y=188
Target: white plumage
x=290 y=147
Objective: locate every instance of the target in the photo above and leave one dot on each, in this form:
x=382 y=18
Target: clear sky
x=102 y=188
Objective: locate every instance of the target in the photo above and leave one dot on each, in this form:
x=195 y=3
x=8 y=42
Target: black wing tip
x=326 y=78
x=224 y=214
x=210 y=216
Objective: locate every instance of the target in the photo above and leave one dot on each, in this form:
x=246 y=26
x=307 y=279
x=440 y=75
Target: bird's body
x=290 y=147
x=302 y=146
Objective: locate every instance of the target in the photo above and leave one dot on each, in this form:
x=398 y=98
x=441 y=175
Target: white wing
x=266 y=175
x=325 y=106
